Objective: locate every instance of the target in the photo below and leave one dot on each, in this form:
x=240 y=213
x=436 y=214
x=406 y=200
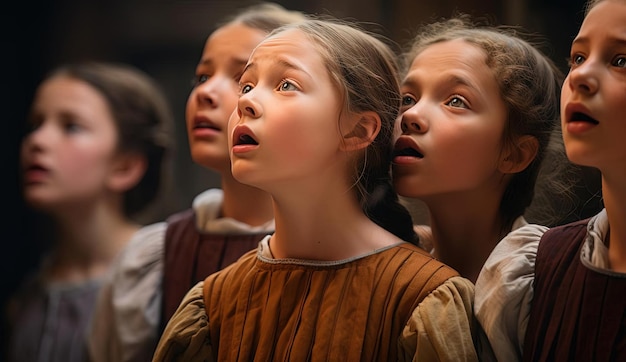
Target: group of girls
x=307 y=253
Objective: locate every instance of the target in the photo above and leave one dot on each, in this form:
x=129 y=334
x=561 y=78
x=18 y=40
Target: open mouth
x=243 y=136
x=581 y=117
x=245 y=139
x=406 y=147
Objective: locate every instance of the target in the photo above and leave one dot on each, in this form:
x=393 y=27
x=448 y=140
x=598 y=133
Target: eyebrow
x=613 y=40
x=239 y=62
x=281 y=63
x=449 y=79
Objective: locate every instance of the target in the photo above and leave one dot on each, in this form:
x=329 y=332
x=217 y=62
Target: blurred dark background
x=165 y=39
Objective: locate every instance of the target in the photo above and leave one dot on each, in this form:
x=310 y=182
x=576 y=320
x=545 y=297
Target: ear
x=127 y=171
x=362 y=130
x=518 y=156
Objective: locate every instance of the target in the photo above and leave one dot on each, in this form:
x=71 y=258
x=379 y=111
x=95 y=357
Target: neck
x=321 y=224
x=88 y=240
x=614 y=195
x=465 y=235
x=245 y=203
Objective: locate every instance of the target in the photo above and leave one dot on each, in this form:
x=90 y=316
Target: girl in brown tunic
x=341 y=278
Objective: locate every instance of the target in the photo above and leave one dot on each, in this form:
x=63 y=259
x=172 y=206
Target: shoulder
x=504 y=290
x=441 y=327
x=145 y=247
x=187 y=334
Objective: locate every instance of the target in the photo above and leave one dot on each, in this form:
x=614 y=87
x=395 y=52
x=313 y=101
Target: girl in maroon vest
x=561 y=295
x=166 y=259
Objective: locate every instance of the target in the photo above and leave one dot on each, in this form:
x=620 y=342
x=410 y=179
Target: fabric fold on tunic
x=376 y=307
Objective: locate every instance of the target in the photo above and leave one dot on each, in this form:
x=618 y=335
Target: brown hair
x=265 y=16
x=529 y=84
x=363 y=67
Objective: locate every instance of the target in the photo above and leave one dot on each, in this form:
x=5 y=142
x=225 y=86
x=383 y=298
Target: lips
x=405 y=146
x=243 y=136
x=205 y=123
x=34 y=173
x=579 y=113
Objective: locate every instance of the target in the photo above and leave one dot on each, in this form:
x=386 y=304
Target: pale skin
x=302 y=152
x=73 y=172
x=592 y=109
x=209 y=106
x=454 y=117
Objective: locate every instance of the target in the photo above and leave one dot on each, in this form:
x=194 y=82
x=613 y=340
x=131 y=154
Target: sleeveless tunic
x=191 y=256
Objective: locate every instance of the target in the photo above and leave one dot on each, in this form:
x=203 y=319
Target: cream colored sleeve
x=186 y=337
x=504 y=292
x=125 y=323
x=441 y=327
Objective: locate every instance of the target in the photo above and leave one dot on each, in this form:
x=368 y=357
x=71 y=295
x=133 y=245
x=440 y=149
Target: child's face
x=71 y=149
x=286 y=125
x=593 y=99
x=215 y=94
x=452 y=121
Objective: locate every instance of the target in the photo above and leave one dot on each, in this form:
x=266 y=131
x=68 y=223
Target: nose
x=584 y=77
x=209 y=91
x=249 y=106
x=39 y=137
x=412 y=121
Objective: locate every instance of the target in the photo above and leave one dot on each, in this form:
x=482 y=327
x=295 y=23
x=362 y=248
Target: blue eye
x=287 y=86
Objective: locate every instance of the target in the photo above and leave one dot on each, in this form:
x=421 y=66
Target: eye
x=457 y=102
x=71 y=127
x=575 y=60
x=199 y=79
x=286 y=85
x=620 y=62
x=245 y=88
x=407 y=102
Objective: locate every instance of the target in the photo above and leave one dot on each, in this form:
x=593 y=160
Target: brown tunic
x=266 y=310
x=577 y=313
x=191 y=256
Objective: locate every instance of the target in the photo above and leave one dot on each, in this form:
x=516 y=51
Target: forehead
x=607 y=15
x=235 y=39
x=449 y=55
x=291 y=45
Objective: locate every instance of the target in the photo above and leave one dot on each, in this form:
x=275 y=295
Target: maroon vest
x=577 y=314
x=191 y=256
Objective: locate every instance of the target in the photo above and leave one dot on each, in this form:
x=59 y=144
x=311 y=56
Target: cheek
x=87 y=162
x=469 y=154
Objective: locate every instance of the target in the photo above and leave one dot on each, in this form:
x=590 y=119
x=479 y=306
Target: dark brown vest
x=191 y=256
x=577 y=314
